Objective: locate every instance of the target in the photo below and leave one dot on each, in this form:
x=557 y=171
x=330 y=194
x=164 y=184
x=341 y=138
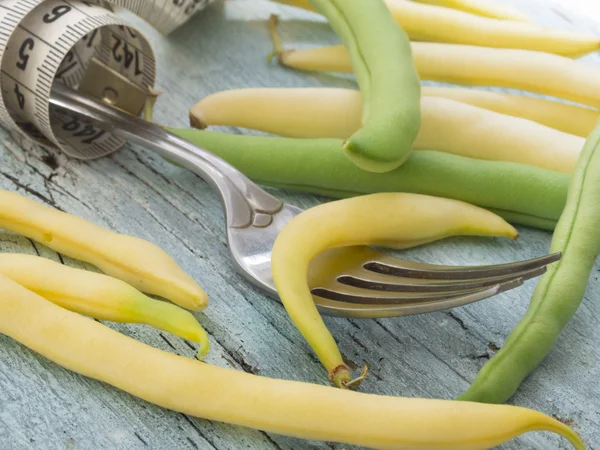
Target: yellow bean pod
x=100 y=296
x=139 y=263
x=446 y=125
x=570 y=119
x=469 y=65
x=433 y=23
x=290 y=408
x=386 y=219
x=485 y=8
x=465 y=130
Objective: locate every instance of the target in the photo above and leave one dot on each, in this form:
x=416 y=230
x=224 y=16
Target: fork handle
x=241 y=197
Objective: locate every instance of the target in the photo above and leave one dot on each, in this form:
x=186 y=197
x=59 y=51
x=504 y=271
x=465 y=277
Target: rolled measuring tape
x=84 y=45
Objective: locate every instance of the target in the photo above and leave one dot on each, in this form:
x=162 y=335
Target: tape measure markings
x=50 y=56
x=47 y=41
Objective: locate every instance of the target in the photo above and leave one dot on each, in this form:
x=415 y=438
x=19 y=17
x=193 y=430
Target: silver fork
x=352 y=282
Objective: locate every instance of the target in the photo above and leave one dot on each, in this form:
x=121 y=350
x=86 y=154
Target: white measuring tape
x=84 y=45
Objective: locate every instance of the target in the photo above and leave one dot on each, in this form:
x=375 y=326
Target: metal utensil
x=373 y=284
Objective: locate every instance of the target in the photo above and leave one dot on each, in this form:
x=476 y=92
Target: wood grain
x=43 y=406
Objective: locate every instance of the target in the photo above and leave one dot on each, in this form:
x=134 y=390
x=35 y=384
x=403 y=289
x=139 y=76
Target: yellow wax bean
x=135 y=261
x=291 y=408
x=433 y=23
x=387 y=219
x=539 y=72
x=571 y=119
x=446 y=125
x=485 y=8
x=100 y=296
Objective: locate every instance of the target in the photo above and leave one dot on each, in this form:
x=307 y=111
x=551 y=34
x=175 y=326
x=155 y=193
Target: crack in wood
x=190 y=421
x=241 y=362
x=349 y=362
x=50 y=160
x=36 y=170
x=354 y=324
x=375 y=375
x=145 y=163
x=37 y=252
x=180 y=186
x=493 y=347
x=233 y=357
x=166 y=199
x=172 y=233
x=31 y=191
x=157 y=192
x=458 y=320
x=230 y=361
x=271 y=440
x=191 y=441
x=189 y=344
x=50 y=186
x=140 y=438
x=360 y=344
x=163 y=337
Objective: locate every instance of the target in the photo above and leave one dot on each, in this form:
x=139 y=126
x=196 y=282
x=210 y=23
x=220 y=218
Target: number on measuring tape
x=83 y=45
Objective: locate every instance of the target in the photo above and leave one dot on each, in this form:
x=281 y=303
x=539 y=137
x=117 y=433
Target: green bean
x=558 y=293
x=381 y=57
x=520 y=193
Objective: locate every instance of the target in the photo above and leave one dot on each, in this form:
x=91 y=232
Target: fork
x=356 y=282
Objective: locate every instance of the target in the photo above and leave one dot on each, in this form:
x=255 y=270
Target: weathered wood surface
x=43 y=406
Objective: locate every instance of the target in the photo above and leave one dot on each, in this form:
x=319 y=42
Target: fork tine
x=369 y=306
x=364 y=296
x=433 y=272
x=399 y=285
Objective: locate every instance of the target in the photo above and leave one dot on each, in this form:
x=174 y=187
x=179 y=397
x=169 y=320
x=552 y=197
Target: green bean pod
x=559 y=292
x=520 y=193
x=382 y=61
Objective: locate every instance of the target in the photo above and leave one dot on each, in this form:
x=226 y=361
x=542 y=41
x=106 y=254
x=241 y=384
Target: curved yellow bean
x=100 y=296
x=446 y=125
x=135 y=261
x=571 y=119
x=291 y=408
x=387 y=219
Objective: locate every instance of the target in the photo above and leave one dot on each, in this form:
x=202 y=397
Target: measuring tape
x=84 y=45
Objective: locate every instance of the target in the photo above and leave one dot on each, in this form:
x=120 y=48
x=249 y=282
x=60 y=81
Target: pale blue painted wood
x=43 y=406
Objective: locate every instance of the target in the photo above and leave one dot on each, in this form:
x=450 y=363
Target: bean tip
x=340 y=377
x=275 y=39
x=196 y=120
x=203 y=350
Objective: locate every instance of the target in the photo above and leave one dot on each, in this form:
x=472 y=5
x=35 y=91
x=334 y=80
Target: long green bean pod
x=382 y=61
x=520 y=193
x=558 y=293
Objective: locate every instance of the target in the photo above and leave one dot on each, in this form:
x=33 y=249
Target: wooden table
x=43 y=406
